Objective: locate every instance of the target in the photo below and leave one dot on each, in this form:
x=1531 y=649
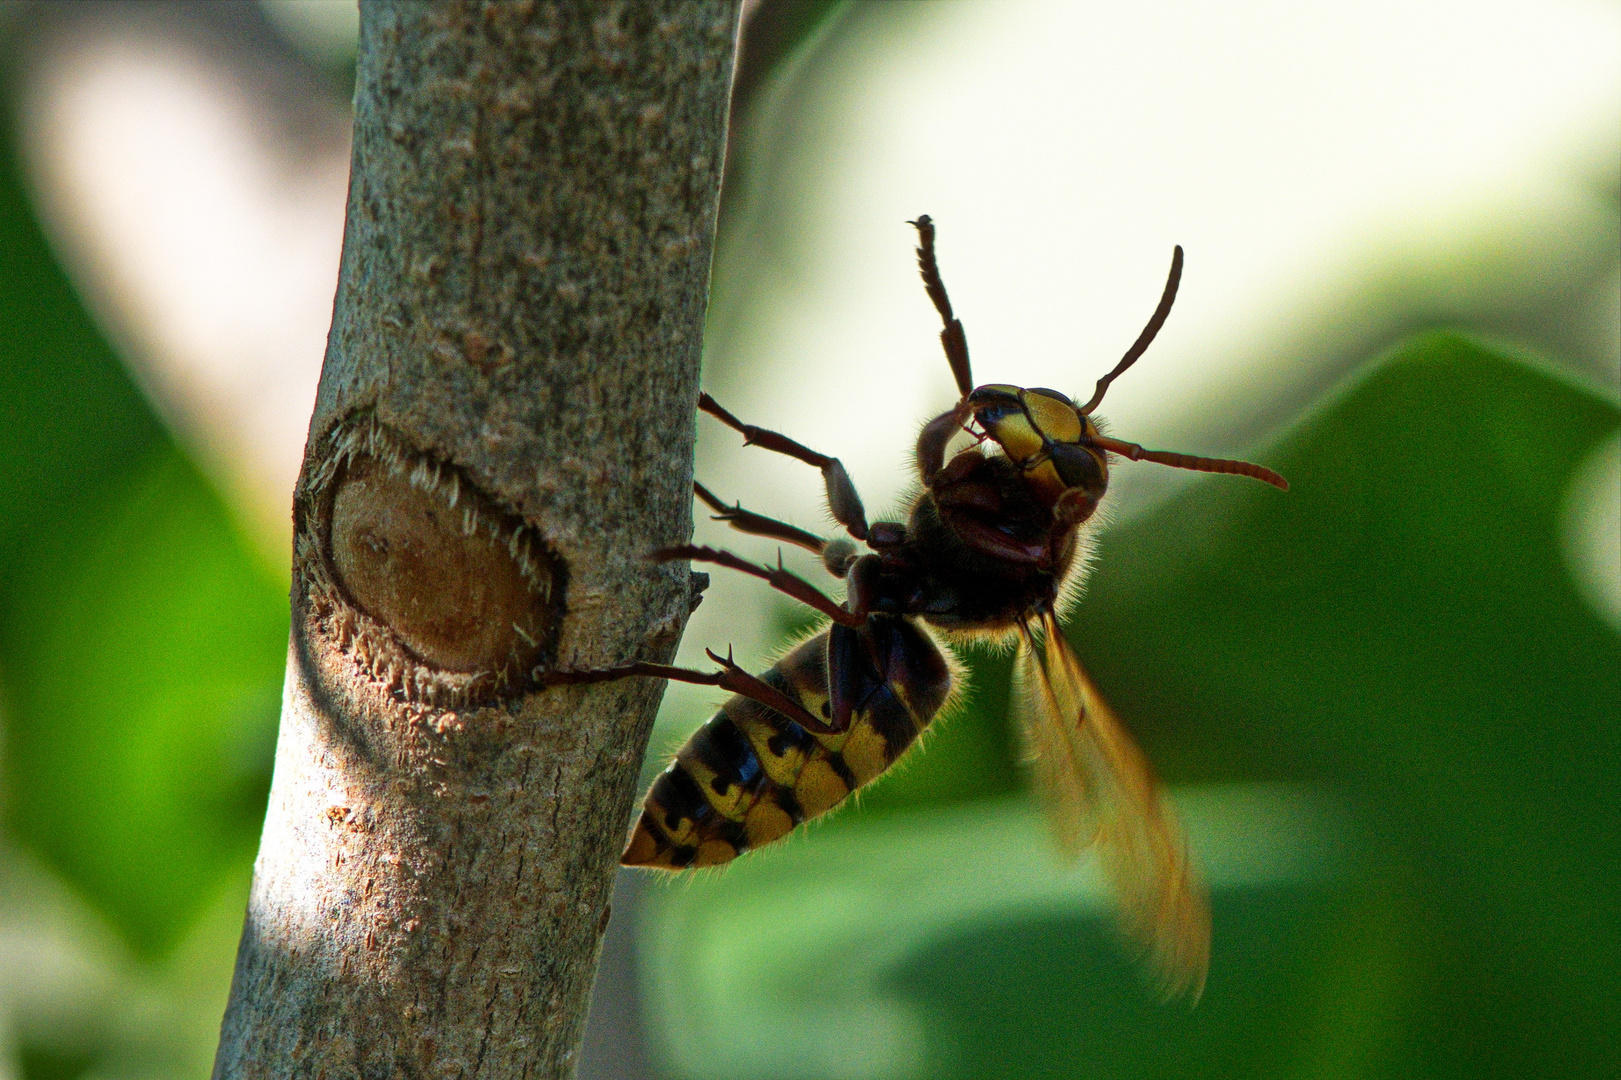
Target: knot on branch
x=412 y=572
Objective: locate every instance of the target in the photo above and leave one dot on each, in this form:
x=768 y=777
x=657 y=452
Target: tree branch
x=503 y=431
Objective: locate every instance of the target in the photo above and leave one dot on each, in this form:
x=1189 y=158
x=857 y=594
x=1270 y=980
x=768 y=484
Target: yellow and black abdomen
x=750 y=775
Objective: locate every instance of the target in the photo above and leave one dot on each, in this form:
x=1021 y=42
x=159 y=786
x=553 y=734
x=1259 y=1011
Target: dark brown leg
x=932 y=441
x=748 y=521
x=730 y=677
x=842 y=498
x=952 y=337
x=779 y=579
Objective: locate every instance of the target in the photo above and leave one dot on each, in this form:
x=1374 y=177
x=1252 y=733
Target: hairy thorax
x=960 y=586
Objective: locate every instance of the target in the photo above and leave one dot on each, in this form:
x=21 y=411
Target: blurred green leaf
x=773 y=33
x=44 y=1064
x=140 y=748
x=842 y=956
x=141 y=646
x=1400 y=630
x=73 y=424
x=1403 y=622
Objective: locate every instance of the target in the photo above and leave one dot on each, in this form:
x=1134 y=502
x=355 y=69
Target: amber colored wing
x=1100 y=789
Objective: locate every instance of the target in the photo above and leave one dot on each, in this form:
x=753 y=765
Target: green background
x=1391 y=721
x=1393 y=724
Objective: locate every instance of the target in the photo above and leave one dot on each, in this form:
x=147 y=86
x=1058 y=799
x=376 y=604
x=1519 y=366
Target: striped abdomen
x=750 y=775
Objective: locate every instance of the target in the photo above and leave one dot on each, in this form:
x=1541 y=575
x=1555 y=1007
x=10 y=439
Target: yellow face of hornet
x=1042 y=433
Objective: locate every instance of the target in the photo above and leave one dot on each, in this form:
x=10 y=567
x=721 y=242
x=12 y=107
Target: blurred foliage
x=772 y=36
x=144 y=716
x=141 y=646
x=1397 y=641
x=1391 y=719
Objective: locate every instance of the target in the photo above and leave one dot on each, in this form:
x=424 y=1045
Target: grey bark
x=503 y=431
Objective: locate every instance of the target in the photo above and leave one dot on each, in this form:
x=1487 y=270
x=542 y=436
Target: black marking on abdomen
x=678 y=796
x=789 y=735
x=915 y=671
x=727 y=752
x=841 y=769
x=733 y=832
x=788 y=803
x=889 y=718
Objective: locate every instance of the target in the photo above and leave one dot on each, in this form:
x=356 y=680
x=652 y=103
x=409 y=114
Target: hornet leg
x=842 y=497
x=779 y=579
x=747 y=521
x=730 y=677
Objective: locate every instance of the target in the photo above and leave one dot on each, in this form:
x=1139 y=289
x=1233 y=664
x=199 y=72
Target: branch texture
x=503 y=431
